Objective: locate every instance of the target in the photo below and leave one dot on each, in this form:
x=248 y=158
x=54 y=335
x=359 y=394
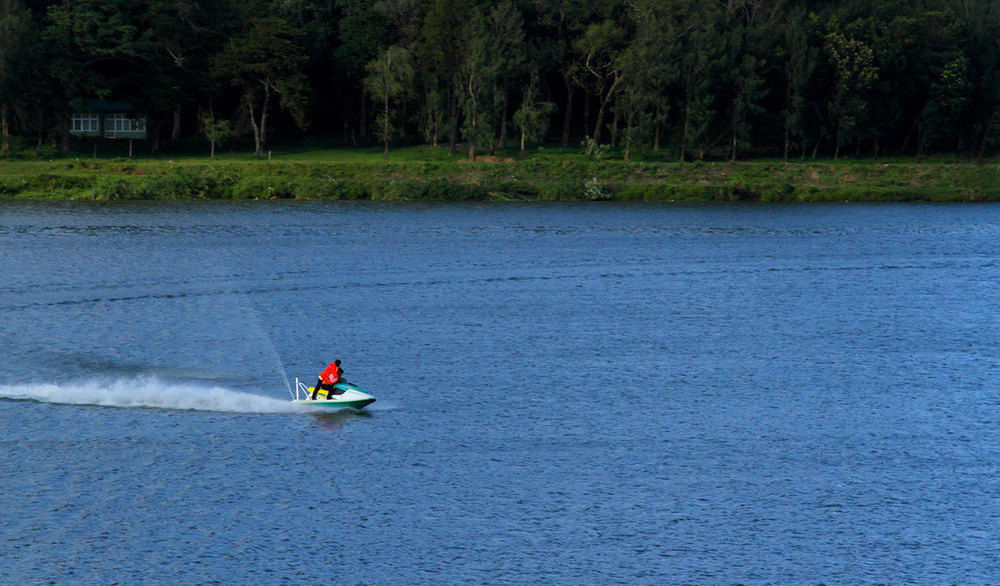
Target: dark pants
x=321 y=385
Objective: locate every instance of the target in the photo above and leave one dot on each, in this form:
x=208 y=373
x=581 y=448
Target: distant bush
x=311 y=187
x=561 y=190
x=264 y=187
x=7 y=189
x=594 y=149
x=778 y=193
x=433 y=189
x=122 y=189
x=594 y=191
x=45 y=183
x=742 y=192
x=190 y=183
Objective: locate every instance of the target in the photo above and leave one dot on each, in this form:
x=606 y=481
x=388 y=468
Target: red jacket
x=331 y=375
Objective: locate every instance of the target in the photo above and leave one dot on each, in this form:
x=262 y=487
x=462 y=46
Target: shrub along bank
x=532 y=179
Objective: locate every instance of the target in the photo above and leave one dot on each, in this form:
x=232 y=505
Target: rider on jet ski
x=332 y=375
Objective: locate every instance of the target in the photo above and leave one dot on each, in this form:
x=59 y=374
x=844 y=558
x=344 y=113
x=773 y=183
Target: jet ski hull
x=346 y=396
x=324 y=404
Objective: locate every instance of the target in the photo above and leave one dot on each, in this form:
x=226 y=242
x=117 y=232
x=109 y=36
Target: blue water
x=566 y=393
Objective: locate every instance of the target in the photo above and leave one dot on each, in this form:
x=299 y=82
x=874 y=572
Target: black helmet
x=337 y=362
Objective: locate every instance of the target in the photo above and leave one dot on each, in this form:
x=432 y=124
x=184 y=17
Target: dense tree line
x=688 y=78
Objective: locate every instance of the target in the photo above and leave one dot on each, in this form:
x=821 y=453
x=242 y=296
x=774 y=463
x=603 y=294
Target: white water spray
x=150 y=393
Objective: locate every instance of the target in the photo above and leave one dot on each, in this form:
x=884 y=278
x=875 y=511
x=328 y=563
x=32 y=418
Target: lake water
x=566 y=393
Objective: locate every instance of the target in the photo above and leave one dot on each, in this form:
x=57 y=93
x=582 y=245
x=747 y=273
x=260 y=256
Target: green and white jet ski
x=344 y=395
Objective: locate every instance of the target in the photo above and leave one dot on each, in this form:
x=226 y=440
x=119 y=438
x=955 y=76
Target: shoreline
x=535 y=178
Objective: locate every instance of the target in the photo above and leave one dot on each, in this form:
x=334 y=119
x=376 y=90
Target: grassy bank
x=427 y=174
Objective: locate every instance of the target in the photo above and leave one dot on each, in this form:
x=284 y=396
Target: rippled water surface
x=569 y=394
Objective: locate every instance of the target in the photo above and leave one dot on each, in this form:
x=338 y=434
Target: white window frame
x=114 y=123
x=85 y=122
x=119 y=122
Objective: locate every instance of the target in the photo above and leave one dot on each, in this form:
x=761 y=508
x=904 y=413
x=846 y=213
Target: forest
x=683 y=80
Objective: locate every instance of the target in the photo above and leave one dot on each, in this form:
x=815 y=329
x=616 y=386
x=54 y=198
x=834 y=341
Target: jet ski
x=343 y=395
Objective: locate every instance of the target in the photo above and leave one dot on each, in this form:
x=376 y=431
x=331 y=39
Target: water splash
x=149 y=392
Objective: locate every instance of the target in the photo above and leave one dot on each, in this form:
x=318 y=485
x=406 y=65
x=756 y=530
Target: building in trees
x=104 y=119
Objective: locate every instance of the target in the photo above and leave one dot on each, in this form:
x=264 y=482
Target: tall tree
x=751 y=28
x=14 y=22
x=443 y=53
x=505 y=41
x=531 y=119
x=854 y=71
x=363 y=33
x=175 y=44
x=981 y=21
x=801 y=59
x=699 y=58
x=477 y=73
x=600 y=47
x=265 y=62
x=654 y=58
x=389 y=76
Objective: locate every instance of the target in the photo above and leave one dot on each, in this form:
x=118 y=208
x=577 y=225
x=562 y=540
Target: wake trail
x=149 y=393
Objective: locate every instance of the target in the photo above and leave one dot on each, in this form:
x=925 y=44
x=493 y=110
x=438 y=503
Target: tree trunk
x=733 y=143
x=473 y=125
x=213 y=148
x=656 y=130
x=735 y=140
x=986 y=132
x=453 y=130
x=64 y=130
x=175 y=133
x=385 y=129
x=263 y=117
x=786 y=142
x=687 y=125
x=836 y=148
x=363 y=119
x=600 y=121
x=586 y=114
x=604 y=106
x=788 y=110
x=256 y=129
x=628 y=135
x=522 y=141
x=4 y=131
x=909 y=135
x=568 y=113
x=503 y=126
x=614 y=129
x=787 y=135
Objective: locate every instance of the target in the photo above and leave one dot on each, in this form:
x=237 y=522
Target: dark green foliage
x=691 y=79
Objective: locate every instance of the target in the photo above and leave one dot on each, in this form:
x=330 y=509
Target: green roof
x=102 y=106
